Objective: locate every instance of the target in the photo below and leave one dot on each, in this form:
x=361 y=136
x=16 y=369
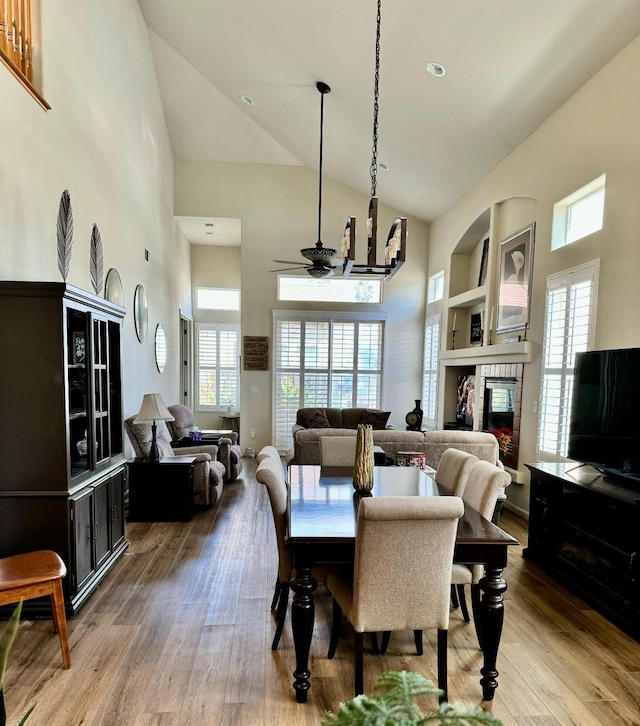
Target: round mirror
x=161 y=348
x=141 y=313
x=113 y=287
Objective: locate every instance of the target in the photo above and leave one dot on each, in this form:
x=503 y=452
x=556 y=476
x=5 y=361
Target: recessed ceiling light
x=383 y=166
x=436 y=69
x=247 y=100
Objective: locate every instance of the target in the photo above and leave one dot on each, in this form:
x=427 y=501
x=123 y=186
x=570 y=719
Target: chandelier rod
x=323 y=88
x=376 y=84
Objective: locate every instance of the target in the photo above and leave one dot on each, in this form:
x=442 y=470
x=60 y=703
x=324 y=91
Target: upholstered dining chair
x=453 y=470
x=268 y=451
x=484 y=484
x=271 y=474
x=401 y=575
x=337 y=450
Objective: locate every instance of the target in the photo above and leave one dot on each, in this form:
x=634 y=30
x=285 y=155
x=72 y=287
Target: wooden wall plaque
x=255 y=353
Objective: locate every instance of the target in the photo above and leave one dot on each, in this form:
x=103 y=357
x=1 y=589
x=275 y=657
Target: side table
x=161 y=492
x=232 y=420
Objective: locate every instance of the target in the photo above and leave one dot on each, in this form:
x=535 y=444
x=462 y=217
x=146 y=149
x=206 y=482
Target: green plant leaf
x=395 y=707
x=7 y=638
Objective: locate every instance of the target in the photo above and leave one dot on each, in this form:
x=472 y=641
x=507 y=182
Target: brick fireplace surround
x=507 y=371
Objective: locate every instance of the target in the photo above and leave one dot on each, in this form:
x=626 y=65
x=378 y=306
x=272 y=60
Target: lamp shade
x=153 y=409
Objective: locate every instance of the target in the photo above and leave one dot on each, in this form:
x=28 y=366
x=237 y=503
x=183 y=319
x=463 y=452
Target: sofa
x=229 y=452
x=344 y=422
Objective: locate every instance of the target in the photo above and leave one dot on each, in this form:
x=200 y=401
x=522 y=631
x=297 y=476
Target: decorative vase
x=414 y=418
x=363 y=465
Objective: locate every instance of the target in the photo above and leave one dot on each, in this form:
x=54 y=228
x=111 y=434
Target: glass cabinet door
x=79 y=433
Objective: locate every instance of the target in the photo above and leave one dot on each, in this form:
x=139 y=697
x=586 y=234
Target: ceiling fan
x=321 y=260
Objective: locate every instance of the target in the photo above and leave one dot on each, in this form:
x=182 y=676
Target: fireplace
x=498 y=410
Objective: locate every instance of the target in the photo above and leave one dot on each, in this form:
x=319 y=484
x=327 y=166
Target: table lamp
x=152 y=410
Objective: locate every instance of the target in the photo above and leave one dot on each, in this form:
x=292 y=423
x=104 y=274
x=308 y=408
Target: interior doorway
x=186 y=369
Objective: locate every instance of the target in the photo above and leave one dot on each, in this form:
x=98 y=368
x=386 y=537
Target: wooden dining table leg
x=491 y=619
x=302 y=619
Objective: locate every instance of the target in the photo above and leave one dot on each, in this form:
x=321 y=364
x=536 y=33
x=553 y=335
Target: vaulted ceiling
x=509 y=65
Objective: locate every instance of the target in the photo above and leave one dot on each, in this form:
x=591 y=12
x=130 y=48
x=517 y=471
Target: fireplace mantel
x=521 y=352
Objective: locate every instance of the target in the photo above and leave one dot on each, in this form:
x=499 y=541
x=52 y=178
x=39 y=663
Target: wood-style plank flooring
x=179 y=633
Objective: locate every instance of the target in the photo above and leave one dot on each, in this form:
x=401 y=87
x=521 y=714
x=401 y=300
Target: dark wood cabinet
x=584 y=529
x=61 y=435
x=161 y=492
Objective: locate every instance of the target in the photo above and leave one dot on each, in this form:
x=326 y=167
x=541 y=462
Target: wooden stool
x=35 y=574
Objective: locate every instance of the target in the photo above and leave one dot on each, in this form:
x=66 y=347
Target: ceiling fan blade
x=286 y=269
x=291 y=262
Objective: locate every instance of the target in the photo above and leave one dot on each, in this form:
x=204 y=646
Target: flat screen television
x=604 y=428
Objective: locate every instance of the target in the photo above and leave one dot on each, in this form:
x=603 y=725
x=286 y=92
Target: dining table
x=321 y=528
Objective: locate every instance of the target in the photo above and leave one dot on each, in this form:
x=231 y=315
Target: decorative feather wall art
x=65 y=234
x=96 y=264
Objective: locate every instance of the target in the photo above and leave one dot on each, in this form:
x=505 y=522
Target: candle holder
x=526 y=327
x=490 y=342
x=481 y=336
x=453 y=338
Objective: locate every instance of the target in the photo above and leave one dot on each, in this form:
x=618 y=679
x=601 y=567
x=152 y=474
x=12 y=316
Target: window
x=329 y=289
x=430 y=371
x=324 y=360
x=210 y=298
x=579 y=215
x=569 y=329
x=435 y=289
x=217 y=366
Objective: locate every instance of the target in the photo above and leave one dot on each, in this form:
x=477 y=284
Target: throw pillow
x=314 y=418
x=376 y=419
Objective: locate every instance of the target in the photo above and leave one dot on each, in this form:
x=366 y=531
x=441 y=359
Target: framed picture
x=255 y=349
x=476 y=328
x=514 y=291
x=482 y=276
x=79 y=350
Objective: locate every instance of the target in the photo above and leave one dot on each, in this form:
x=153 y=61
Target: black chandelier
x=395 y=247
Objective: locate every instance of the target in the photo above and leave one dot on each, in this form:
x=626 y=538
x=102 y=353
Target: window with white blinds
x=430 y=371
x=569 y=329
x=324 y=362
x=218 y=367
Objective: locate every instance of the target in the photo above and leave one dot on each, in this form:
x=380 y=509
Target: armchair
x=209 y=472
x=229 y=453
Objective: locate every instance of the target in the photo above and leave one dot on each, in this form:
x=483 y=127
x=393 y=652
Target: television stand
x=584 y=529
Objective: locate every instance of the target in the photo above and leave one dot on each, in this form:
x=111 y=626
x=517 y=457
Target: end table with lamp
x=152 y=410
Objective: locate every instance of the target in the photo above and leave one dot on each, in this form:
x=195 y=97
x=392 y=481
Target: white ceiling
x=510 y=64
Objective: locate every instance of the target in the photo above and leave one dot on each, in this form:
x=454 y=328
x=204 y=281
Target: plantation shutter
x=430 y=371
x=323 y=362
x=569 y=329
x=218 y=367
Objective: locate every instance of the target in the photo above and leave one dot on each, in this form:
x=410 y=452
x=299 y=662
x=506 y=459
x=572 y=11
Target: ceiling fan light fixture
x=319 y=271
x=318 y=253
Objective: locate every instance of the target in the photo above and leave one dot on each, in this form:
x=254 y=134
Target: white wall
x=278 y=209
x=596 y=131
x=104 y=140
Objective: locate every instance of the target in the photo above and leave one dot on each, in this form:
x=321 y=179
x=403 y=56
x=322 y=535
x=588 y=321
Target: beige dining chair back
x=271 y=474
x=401 y=574
x=337 y=450
x=268 y=451
x=481 y=493
x=453 y=470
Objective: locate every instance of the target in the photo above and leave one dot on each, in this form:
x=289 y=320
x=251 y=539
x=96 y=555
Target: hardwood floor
x=179 y=634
